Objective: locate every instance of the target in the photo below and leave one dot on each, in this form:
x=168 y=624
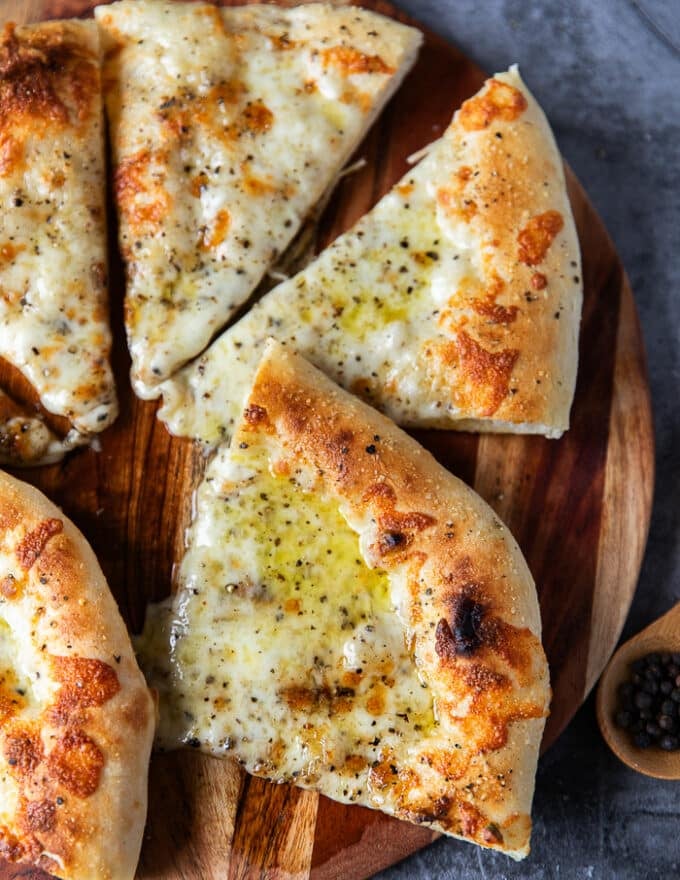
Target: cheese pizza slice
x=354 y=619
x=455 y=303
x=76 y=716
x=228 y=125
x=54 y=325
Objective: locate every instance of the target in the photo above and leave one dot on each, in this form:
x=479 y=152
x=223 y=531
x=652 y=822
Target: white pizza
x=455 y=303
x=228 y=126
x=353 y=619
x=54 y=323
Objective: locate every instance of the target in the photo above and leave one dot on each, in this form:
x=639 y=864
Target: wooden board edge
x=627 y=510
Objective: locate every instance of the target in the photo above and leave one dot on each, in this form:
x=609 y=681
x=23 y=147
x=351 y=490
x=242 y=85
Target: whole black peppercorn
x=668 y=707
x=649 y=702
x=666 y=723
x=643 y=700
x=653 y=729
x=651 y=687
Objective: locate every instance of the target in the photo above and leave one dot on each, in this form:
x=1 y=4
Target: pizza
x=76 y=716
x=54 y=325
x=455 y=303
x=353 y=619
x=227 y=127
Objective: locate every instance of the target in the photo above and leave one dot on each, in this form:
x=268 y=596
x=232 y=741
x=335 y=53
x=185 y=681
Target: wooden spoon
x=662 y=635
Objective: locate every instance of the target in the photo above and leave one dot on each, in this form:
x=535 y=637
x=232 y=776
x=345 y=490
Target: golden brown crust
x=76 y=717
x=515 y=357
x=465 y=594
x=48 y=76
x=455 y=303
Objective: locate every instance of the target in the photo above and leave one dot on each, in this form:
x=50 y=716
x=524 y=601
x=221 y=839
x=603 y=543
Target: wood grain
x=579 y=508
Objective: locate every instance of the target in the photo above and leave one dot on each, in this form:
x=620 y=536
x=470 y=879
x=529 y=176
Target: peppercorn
x=649 y=702
x=666 y=723
x=643 y=700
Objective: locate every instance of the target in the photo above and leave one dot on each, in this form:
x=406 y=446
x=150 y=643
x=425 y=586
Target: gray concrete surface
x=610 y=85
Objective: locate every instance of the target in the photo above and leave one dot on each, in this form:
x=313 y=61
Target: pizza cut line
x=353 y=619
x=228 y=126
x=455 y=303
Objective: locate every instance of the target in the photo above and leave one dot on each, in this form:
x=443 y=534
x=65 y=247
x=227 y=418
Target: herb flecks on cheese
x=228 y=126
x=353 y=618
x=285 y=649
x=454 y=303
x=53 y=300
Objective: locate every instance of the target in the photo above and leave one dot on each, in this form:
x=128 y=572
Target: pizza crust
x=455 y=303
x=430 y=532
x=76 y=716
x=445 y=735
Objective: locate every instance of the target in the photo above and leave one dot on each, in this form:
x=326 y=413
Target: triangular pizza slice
x=455 y=303
x=354 y=619
x=228 y=126
x=76 y=717
x=54 y=324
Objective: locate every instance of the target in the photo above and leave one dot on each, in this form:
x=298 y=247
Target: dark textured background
x=609 y=81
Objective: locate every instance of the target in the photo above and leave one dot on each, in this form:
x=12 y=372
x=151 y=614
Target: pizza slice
x=76 y=716
x=354 y=619
x=54 y=324
x=455 y=303
x=228 y=125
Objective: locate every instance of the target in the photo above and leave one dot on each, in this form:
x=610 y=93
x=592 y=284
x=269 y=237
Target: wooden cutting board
x=579 y=508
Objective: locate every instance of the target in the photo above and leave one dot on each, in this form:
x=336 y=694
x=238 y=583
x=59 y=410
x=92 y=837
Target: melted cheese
x=228 y=127
x=285 y=650
x=372 y=297
x=24 y=437
x=402 y=308
x=26 y=685
x=53 y=320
